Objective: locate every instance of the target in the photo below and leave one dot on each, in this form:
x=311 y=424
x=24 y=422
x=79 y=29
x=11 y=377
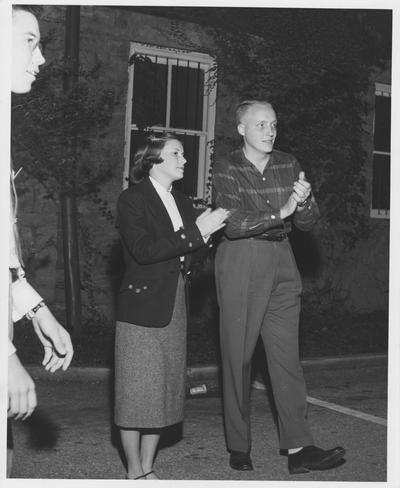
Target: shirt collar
x=159 y=188
x=240 y=158
x=14 y=174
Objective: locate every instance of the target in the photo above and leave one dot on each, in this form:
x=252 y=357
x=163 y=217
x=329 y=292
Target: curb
x=194 y=373
x=347 y=358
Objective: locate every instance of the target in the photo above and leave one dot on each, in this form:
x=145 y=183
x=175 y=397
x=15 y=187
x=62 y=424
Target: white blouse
x=169 y=203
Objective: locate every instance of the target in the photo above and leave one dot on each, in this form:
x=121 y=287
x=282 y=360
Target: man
x=24 y=300
x=259 y=286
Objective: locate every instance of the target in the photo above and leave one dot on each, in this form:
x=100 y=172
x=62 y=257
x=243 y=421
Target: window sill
x=379 y=214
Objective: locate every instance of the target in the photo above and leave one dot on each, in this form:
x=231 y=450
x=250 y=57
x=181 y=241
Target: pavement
x=71 y=435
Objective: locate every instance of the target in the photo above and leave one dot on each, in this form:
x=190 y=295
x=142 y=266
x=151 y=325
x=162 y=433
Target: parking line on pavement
x=347 y=411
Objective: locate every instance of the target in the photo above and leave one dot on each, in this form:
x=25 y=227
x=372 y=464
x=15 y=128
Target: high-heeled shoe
x=155 y=477
x=142 y=476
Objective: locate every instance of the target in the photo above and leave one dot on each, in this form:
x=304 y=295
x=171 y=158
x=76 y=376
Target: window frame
x=206 y=135
x=385 y=90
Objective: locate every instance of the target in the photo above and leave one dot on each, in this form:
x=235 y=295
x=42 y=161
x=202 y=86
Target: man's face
x=258 y=128
x=26 y=54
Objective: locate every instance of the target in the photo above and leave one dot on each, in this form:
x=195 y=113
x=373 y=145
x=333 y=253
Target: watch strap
x=306 y=201
x=29 y=315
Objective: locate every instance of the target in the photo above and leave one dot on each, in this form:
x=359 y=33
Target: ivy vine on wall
x=53 y=132
x=315 y=66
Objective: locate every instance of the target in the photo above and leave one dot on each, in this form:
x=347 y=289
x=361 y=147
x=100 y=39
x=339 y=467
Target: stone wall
x=106 y=34
x=361 y=278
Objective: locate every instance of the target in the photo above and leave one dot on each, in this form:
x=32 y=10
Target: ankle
x=133 y=476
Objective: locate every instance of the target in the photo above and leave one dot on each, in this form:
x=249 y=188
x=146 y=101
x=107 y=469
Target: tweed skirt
x=150 y=370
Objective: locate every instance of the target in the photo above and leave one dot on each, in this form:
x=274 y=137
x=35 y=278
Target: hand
x=58 y=350
x=301 y=191
x=289 y=207
x=301 y=188
x=21 y=390
x=211 y=220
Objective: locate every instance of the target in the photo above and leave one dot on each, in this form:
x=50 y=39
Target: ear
x=240 y=129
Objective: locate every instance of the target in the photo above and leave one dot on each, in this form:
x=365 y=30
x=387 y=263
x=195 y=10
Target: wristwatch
x=29 y=315
x=306 y=201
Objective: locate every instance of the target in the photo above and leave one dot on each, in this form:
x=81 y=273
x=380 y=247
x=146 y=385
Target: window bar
x=168 y=107
x=202 y=140
x=187 y=107
x=198 y=98
x=154 y=87
x=379 y=192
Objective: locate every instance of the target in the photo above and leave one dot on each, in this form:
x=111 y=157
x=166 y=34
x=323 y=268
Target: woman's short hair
x=148 y=155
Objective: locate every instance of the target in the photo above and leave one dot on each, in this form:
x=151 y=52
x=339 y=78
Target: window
x=169 y=90
x=380 y=207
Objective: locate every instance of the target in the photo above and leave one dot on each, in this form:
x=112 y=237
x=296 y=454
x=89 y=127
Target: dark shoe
x=240 y=461
x=313 y=458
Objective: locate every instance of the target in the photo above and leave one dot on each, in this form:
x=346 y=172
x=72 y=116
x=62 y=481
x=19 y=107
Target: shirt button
x=190 y=244
x=267 y=201
x=273 y=217
x=145 y=287
x=264 y=178
x=130 y=287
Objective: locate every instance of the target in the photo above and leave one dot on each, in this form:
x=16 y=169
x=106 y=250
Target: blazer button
x=183 y=236
x=137 y=290
x=130 y=287
x=145 y=287
x=190 y=244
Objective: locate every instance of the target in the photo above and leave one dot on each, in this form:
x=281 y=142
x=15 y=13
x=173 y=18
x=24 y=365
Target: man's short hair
x=35 y=10
x=244 y=106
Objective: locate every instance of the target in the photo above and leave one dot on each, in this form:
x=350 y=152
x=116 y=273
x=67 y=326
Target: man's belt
x=277 y=234
x=277 y=237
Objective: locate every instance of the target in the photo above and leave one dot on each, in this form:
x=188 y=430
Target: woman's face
x=172 y=167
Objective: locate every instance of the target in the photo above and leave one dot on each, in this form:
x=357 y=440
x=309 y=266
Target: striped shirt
x=254 y=199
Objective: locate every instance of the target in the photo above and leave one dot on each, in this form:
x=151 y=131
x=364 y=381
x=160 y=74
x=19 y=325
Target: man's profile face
x=26 y=53
x=258 y=128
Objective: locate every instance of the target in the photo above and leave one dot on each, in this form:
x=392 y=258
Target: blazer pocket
x=139 y=287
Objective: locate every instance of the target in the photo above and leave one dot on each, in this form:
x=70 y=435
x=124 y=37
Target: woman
x=159 y=231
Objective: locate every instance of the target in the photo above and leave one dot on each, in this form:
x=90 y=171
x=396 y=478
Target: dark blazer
x=151 y=253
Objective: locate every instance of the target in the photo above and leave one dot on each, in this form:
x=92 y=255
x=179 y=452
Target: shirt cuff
x=11 y=348
x=275 y=217
x=24 y=298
